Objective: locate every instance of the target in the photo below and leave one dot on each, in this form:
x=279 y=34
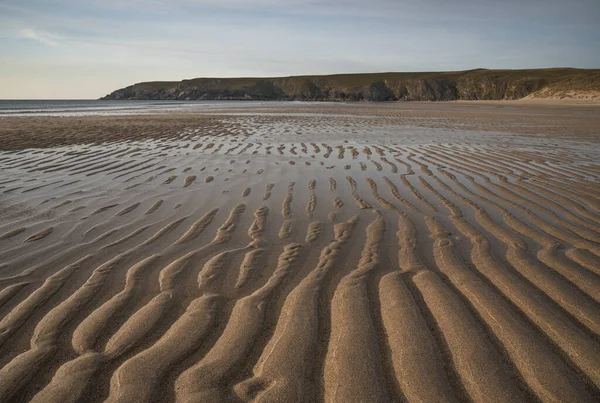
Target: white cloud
x=43 y=37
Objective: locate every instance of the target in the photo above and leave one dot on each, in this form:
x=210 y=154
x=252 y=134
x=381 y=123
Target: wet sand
x=342 y=253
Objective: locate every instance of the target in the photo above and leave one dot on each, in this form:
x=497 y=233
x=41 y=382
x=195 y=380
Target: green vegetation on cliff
x=429 y=86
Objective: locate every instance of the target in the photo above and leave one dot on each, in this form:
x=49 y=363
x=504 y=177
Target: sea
x=108 y=108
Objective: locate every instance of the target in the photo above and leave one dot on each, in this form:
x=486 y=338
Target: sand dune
x=356 y=253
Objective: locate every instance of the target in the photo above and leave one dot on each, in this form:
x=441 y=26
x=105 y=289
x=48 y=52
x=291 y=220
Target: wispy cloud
x=43 y=37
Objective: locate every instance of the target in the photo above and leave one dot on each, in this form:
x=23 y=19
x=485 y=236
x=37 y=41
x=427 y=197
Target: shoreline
x=549 y=119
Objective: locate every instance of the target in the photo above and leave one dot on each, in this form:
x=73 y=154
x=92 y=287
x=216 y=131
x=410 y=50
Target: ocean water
x=96 y=107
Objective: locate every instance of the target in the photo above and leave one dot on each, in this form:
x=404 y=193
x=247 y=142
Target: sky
x=84 y=49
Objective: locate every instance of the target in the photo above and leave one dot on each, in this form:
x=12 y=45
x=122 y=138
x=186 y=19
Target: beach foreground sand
x=343 y=253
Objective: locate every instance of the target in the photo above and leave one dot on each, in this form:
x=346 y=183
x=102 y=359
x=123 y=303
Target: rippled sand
x=339 y=253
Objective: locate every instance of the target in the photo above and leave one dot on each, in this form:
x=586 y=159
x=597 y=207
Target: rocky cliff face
x=444 y=86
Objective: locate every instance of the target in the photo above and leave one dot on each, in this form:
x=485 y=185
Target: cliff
x=479 y=84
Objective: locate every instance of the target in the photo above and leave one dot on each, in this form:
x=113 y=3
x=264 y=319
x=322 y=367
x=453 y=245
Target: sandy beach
x=392 y=252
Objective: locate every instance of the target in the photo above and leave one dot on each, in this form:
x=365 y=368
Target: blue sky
x=87 y=48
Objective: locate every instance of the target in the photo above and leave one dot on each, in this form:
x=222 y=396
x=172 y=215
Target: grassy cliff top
x=484 y=83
